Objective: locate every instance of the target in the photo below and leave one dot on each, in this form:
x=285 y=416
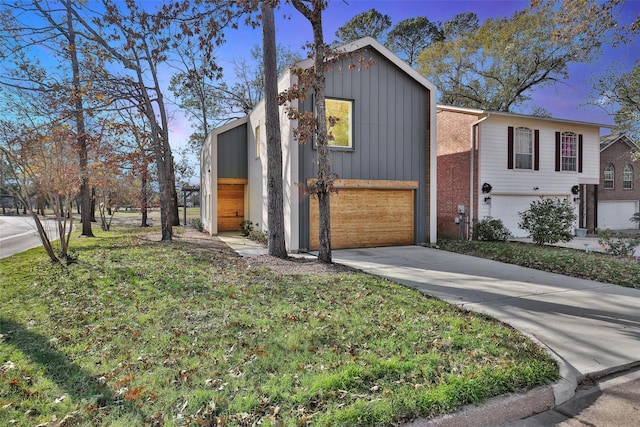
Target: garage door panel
x=367 y=218
x=507 y=208
x=615 y=214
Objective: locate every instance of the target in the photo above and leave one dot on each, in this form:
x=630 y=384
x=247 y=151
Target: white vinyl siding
x=530 y=184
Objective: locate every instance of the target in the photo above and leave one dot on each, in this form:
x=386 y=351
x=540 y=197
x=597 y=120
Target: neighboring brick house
x=617 y=197
x=495 y=164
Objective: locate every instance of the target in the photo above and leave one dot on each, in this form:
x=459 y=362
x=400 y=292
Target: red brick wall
x=453 y=148
x=619 y=154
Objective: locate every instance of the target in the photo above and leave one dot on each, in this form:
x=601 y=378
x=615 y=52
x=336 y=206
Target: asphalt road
x=18 y=233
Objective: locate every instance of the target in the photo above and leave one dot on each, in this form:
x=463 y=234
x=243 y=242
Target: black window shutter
x=536 y=150
x=557 y=151
x=510 y=147
x=580 y=153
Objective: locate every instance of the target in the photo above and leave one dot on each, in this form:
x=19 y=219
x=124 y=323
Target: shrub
x=258 y=236
x=548 y=220
x=197 y=224
x=490 y=229
x=635 y=217
x=247 y=227
x=616 y=244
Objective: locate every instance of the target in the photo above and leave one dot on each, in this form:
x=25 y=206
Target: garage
x=507 y=208
x=615 y=214
x=367 y=213
x=230 y=203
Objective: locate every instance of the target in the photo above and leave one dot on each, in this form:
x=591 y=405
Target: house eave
x=620 y=137
x=486 y=113
x=370 y=42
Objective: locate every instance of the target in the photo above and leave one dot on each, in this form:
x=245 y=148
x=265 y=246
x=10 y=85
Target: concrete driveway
x=593 y=327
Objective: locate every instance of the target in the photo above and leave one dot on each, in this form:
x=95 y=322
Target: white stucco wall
x=206 y=186
x=257 y=170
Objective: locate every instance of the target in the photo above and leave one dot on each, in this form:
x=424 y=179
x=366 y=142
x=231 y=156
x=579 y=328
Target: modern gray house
x=383 y=154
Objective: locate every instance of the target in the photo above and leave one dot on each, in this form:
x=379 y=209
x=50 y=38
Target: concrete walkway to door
x=593 y=327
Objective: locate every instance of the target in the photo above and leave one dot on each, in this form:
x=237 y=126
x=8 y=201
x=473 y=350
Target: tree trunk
x=81 y=136
x=144 y=198
x=40 y=205
x=324 y=172
x=166 y=193
x=175 y=213
x=46 y=243
x=93 y=204
x=275 y=217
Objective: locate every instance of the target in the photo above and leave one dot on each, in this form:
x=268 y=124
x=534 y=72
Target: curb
x=495 y=411
x=565 y=388
x=508 y=408
x=513 y=406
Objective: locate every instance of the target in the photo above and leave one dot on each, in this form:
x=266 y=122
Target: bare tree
x=57 y=28
x=132 y=39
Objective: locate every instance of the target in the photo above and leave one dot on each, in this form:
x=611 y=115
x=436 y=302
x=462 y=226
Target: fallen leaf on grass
x=7 y=366
x=133 y=394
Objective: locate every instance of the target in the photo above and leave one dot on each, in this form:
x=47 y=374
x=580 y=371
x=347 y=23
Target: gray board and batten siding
x=232 y=153
x=390 y=135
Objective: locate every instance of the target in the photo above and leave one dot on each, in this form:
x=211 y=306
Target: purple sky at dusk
x=564 y=100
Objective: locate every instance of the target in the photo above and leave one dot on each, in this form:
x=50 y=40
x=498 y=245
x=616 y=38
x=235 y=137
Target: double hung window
x=524 y=148
x=609 y=177
x=569 y=151
x=627 y=178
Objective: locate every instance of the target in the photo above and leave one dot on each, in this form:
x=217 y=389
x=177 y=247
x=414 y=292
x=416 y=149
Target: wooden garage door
x=230 y=203
x=368 y=214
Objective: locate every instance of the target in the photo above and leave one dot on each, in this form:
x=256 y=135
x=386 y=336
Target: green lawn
x=154 y=214
x=144 y=333
x=596 y=266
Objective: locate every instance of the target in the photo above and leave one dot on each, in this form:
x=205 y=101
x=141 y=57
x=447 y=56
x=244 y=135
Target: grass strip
x=596 y=266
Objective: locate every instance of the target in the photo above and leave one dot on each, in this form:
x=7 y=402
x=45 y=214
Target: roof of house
x=608 y=140
x=370 y=42
x=487 y=113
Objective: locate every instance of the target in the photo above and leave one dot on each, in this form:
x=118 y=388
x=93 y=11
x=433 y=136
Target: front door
x=230 y=206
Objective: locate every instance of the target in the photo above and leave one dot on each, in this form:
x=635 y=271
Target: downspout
x=473 y=141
